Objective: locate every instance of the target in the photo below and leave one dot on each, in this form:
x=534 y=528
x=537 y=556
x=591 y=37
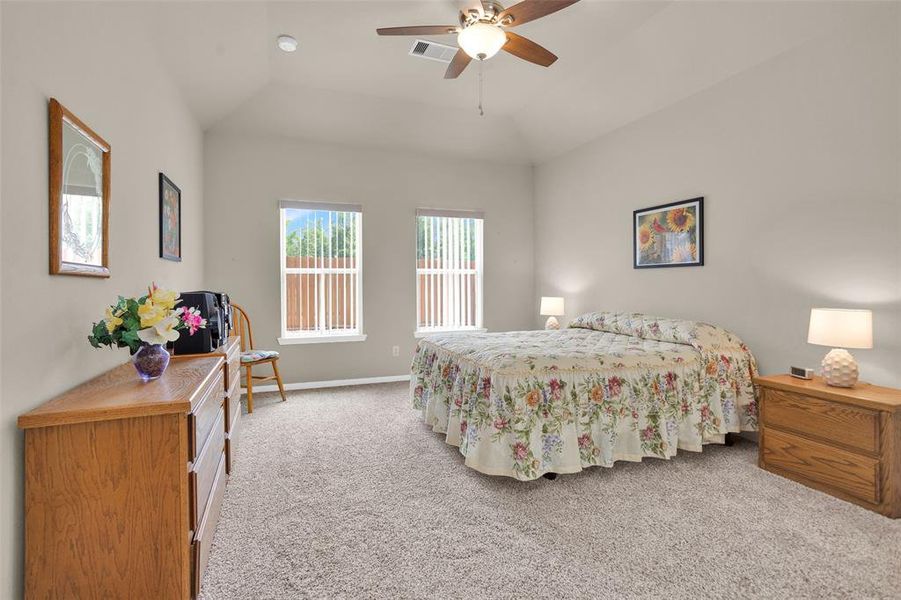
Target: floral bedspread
x=612 y=386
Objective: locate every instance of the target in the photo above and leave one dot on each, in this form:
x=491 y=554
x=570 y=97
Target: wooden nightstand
x=845 y=442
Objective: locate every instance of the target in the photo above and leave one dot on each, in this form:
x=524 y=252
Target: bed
x=610 y=387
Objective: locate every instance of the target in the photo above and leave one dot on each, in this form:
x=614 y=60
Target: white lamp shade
x=841 y=328
x=552 y=306
x=481 y=40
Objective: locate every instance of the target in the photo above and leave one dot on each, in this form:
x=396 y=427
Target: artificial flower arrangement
x=144 y=325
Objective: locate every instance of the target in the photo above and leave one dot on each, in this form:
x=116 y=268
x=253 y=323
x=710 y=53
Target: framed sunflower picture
x=669 y=235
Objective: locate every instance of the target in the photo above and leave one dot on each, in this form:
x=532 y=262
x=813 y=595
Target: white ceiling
x=619 y=61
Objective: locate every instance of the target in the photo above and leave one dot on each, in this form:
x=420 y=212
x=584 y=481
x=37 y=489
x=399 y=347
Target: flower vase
x=151 y=361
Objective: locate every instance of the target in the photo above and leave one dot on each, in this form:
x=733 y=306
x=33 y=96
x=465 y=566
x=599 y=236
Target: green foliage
x=292 y=244
x=430 y=234
x=126 y=334
x=99 y=336
x=318 y=239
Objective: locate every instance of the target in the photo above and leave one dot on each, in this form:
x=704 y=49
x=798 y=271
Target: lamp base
x=840 y=369
x=552 y=323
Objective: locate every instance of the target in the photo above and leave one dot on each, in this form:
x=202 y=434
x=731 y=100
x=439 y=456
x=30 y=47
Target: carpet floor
x=344 y=493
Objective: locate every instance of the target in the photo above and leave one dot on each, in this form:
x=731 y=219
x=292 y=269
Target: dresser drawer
x=232 y=407
x=233 y=388
x=203 y=472
x=203 y=539
x=231 y=442
x=233 y=370
x=854 y=474
x=830 y=421
x=232 y=362
x=204 y=415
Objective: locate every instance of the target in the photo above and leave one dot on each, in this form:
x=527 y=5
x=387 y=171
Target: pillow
x=702 y=336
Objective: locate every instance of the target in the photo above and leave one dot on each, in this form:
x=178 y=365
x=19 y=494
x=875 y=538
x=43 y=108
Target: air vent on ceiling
x=432 y=51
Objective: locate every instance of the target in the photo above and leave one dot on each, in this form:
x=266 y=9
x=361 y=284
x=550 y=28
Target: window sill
x=422 y=334
x=320 y=339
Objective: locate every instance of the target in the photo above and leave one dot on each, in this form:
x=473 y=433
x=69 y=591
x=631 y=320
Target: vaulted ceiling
x=619 y=61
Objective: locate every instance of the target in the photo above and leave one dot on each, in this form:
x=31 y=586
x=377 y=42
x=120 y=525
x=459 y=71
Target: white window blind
x=321 y=267
x=448 y=270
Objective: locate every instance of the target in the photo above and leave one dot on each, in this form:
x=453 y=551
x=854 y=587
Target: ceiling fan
x=483 y=32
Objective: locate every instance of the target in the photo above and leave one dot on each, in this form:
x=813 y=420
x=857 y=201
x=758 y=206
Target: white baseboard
x=313 y=385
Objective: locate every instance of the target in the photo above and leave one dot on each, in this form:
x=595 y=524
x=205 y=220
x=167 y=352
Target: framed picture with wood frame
x=170 y=219
x=79 y=196
x=669 y=235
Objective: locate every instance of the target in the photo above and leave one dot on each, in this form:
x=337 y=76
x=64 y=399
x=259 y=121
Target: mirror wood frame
x=59 y=115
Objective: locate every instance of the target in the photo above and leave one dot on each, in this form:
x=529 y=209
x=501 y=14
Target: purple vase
x=151 y=361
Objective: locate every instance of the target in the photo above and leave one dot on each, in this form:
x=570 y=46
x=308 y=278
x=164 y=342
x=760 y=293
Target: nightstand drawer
x=850 y=426
x=851 y=473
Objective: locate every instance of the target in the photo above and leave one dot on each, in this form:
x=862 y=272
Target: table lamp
x=551 y=307
x=840 y=328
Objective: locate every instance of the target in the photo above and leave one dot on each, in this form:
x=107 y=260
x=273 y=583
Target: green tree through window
x=316 y=236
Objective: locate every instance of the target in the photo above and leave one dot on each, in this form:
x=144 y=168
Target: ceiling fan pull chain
x=481 y=112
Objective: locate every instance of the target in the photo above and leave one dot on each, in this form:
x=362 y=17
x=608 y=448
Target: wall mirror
x=79 y=196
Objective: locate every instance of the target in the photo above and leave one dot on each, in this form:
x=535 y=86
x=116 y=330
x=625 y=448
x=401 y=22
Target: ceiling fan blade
x=418 y=30
x=529 y=10
x=456 y=66
x=526 y=49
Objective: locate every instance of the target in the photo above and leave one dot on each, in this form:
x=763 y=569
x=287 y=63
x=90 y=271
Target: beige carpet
x=344 y=493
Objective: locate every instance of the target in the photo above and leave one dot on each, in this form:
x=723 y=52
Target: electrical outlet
x=395 y=350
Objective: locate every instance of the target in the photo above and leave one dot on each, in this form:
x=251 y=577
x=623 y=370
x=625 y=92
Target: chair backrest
x=242 y=327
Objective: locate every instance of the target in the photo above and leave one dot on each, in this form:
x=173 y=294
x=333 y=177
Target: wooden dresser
x=845 y=442
x=231 y=379
x=124 y=481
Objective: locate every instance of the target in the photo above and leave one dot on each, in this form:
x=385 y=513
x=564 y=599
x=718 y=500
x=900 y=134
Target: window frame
x=320 y=336
x=479 y=271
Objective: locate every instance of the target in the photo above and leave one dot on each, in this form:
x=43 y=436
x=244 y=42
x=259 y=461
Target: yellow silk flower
x=151 y=313
x=164 y=298
x=111 y=320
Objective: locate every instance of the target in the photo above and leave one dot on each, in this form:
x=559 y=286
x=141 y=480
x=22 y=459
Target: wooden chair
x=251 y=358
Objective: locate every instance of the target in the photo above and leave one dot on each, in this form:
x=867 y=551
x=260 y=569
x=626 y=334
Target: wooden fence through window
x=333 y=295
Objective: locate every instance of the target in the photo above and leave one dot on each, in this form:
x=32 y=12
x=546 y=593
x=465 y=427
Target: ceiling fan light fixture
x=481 y=40
x=286 y=43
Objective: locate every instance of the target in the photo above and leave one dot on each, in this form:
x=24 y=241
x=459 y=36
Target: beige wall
x=7 y=509
x=246 y=176
x=798 y=160
x=98 y=65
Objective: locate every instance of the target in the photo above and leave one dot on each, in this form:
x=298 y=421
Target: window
x=448 y=271
x=321 y=272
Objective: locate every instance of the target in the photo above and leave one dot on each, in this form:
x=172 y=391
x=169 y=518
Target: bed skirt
x=523 y=425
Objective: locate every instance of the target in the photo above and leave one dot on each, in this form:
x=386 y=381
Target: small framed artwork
x=669 y=235
x=170 y=219
x=79 y=196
